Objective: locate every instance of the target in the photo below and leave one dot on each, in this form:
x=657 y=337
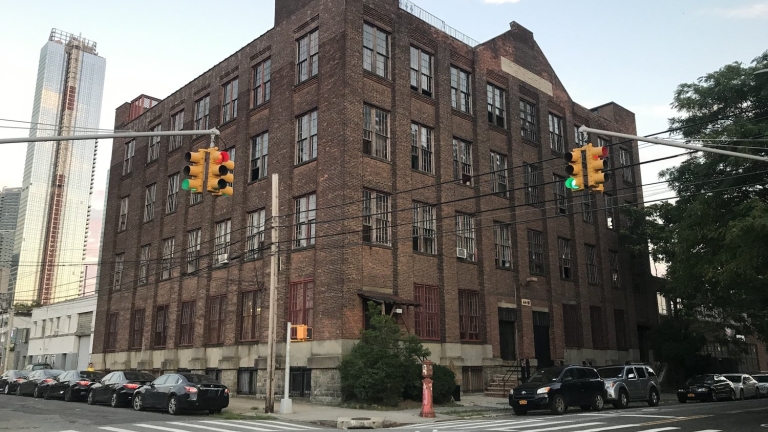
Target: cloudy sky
x=633 y=53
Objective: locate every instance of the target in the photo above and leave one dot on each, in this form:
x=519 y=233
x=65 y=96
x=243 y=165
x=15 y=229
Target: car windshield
x=41 y=366
x=91 y=375
x=701 y=379
x=138 y=376
x=733 y=378
x=761 y=378
x=611 y=372
x=546 y=375
x=51 y=372
x=199 y=379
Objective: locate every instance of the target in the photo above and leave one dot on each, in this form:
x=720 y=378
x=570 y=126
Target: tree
x=713 y=238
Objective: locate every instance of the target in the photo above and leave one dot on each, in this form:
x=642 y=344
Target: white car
x=762 y=384
x=745 y=385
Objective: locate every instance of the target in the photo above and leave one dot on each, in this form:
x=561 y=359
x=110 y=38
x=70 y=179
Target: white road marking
x=562 y=427
x=237 y=425
x=660 y=429
x=647 y=415
x=290 y=426
x=114 y=429
x=609 y=428
x=160 y=427
x=211 y=428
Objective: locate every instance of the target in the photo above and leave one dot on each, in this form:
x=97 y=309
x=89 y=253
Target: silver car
x=762 y=384
x=627 y=383
x=745 y=385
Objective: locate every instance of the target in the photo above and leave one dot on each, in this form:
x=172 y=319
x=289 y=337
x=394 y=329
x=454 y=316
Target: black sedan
x=180 y=391
x=31 y=385
x=558 y=388
x=709 y=387
x=117 y=387
x=10 y=380
x=71 y=385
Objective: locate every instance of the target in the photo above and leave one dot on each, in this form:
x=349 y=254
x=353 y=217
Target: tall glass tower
x=54 y=208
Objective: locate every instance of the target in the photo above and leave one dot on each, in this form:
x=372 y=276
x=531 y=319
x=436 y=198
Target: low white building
x=61 y=333
x=22 y=326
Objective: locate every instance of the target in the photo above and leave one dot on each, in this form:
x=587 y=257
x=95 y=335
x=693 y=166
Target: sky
x=632 y=53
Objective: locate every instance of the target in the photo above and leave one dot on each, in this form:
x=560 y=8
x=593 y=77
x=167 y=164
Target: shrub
x=443 y=384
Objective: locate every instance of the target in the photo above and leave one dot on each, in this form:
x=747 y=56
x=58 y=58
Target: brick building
x=418 y=169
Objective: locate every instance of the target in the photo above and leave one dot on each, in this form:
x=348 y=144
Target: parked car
x=71 y=385
x=708 y=387
x=745 y=386
x=117 y=388
x=37 y=366
x=558 y=388
x=627 y=383
x=10 y=380
x=31 y=385
x=762 y=384
x=180 y=391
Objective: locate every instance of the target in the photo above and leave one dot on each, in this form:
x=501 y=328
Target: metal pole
x=7 y=355
x=213 y=131
x=286 y=404
x=269 y=403
x=673 y=144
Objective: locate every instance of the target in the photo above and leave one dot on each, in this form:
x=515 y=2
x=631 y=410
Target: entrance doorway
x=507 y=346
x=541 y=339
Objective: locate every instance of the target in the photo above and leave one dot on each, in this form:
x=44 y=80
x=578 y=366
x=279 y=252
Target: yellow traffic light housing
x=220 y=175
x=576 y=181
x=597 y=162
x=301 y=333
x=194 y=171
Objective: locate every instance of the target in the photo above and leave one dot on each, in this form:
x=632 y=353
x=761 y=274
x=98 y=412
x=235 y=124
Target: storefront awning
x=386 y=298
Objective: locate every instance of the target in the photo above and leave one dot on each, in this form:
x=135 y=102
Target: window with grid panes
x=427 y=314
x=579 y=139
x=625 y=159
x=250 y=314
x=375 y=132
x=229 y=101
x=306 y=137
x=615 y=281
x=130 y=148
x=602 y=142
x=499 y=174
x=621 y=330
x=556 y=138
x=216 y=313
x=153 y=148
x=497 y=103
x=304 y=221
x=572 y=326
x=561 y=199
x=259 y=156
x=535 y=252
x=254 y=242
x=202 y=111
x=611 y=202
x=307 y=53
x=462 y=161
x=423 y=228
x=261 y=83
x=564 y=257
x=172 y=202
x=117 y=277
x=376 y=217
x=586 y=207
x=122 y=222
x=246 y=381
x=532 y=183
x=137 y=329
x=301 y=302
x=528 y=121
x=187 y=323
x=461 y=90
x=502 y=245
x=144 y=265
x=167 y=260
x=421 y=71
x=592 y=274
x=193 y=250
x=195 y=198
x=375 y=50
x=161 y=326
x=149 y=202
x=465 y=234
x=469 y=315
x=110 y=341
x=177 y=124
x=598 y=328
x=221 y=242
x=421 y=149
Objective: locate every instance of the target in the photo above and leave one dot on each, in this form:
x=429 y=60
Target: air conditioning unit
x=461 y=253
x=222 y=259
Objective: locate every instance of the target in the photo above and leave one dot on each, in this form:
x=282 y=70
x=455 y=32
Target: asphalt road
x=26 y=414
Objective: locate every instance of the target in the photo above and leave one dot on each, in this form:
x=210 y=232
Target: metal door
x=541 y=339
x=507 y=340
x=300 y=384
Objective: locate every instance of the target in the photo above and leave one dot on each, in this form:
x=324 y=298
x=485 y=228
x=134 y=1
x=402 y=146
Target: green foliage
x=26 y=308
x=444 y=382
x=378 y=368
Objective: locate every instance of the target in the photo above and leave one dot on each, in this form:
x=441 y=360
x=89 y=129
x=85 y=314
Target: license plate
x=523 y=402
x=691 y=395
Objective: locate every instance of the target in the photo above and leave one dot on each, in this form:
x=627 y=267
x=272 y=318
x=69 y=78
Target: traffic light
x=195 y=171
x=576 y=181
x=597 y=161
x=220 y=169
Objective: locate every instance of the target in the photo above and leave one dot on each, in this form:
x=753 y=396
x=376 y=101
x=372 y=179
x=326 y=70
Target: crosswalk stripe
x=609 y=428
x=647 y=415
x=485 y=424
x=710 y=430
x=291 y=426
x=114 y=429
x=211 y=428
x=159 y=427
x=236 y=425
x=436 y=424
x=660 y=429
x=562 y=427
x=514 y=425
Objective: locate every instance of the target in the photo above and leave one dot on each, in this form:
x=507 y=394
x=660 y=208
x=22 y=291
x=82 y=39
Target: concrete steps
x=498 y=388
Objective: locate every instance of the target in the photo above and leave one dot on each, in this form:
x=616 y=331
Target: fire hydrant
x=426 y=396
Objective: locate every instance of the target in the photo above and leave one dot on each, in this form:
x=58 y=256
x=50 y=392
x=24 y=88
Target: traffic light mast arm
x=212 y=132
x=584 y=129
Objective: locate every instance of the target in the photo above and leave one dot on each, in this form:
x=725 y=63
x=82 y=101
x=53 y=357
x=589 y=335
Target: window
x=465 y=234
x=130 y=148
x=167 y=260
x=598 y=328
x=110 y=342
x=376 y=217
x=556 y=138
x=625 y=159
x=259 y=150
x=375 y=50
x=177 y=124
x=144 y=265
x=611 y=202
x=261 y=83
x=497 y=103
x=375 y=132
x=216 y=311
x=462 y=161
x=306 y=137
x=193 y=250
x=149 y=202
x=172 y=203
x=564 y=256
x=221 y=242
x=421 y=149
x=421 y=71
x=662 y=303
x=137 y=329
x=246 y=381
x=306 y=56
x=118 y=275
x=469 y=315
x=621 y=330
x=461 y=94
x=195 y=198
x=304 y=221
x=572 y=326
x=250 y=315
x=528 y=121
x=499 y=174
x=161 y=326
x=153 y=149
x=427 y=316
x=202 y=109
x=254 y=244
x=579 y=139
x=187 y=327
x=531 y=182
x=229 y=101
x=603 y=142
x=502 y=245
x=122 y=222
x=301 y=302
x=561 y=199
x=592 y=275
x=586 y=207
x=615 y=281
x=535 y=252
x=423 y=228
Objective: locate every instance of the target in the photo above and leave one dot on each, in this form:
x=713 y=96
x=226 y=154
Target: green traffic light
x=185 y=184
x=568 y=183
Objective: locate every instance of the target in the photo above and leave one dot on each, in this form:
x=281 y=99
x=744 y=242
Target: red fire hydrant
x=426 y=396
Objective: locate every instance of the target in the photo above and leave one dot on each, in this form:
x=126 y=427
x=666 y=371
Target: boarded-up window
x=469 y=315
x=187 y=328
x=621 y=329
x=598 y=329
x=428 y=312
x=572 y=325
x=216 y=311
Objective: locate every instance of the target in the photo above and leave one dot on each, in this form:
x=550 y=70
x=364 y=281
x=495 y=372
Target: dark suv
x=557 y=388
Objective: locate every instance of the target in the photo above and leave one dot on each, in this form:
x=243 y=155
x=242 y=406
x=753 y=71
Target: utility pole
x=8 y=331
x=286 y=405
x=269 y=402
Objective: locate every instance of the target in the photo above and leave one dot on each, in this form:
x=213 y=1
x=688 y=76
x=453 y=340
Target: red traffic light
x=223 y=157
x=603 y=153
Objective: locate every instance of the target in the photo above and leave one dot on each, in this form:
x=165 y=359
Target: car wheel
x=519 y=411
x=733 y=395
x=91 y=400
x=18 y=391
x=46 y=394
x=586 y=407
x=558 y=405
x=623 y=400
x=653 y=398
x=214 y=411
x=36 y=393
x=113 y=401
x=598 y=403
x=741 y=394
x=7 y=389
x=173 y=405
x=138 y=404
x=713 y=396
x=68 y=395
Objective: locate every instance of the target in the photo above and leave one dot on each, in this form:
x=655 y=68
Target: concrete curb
x=359 y=422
